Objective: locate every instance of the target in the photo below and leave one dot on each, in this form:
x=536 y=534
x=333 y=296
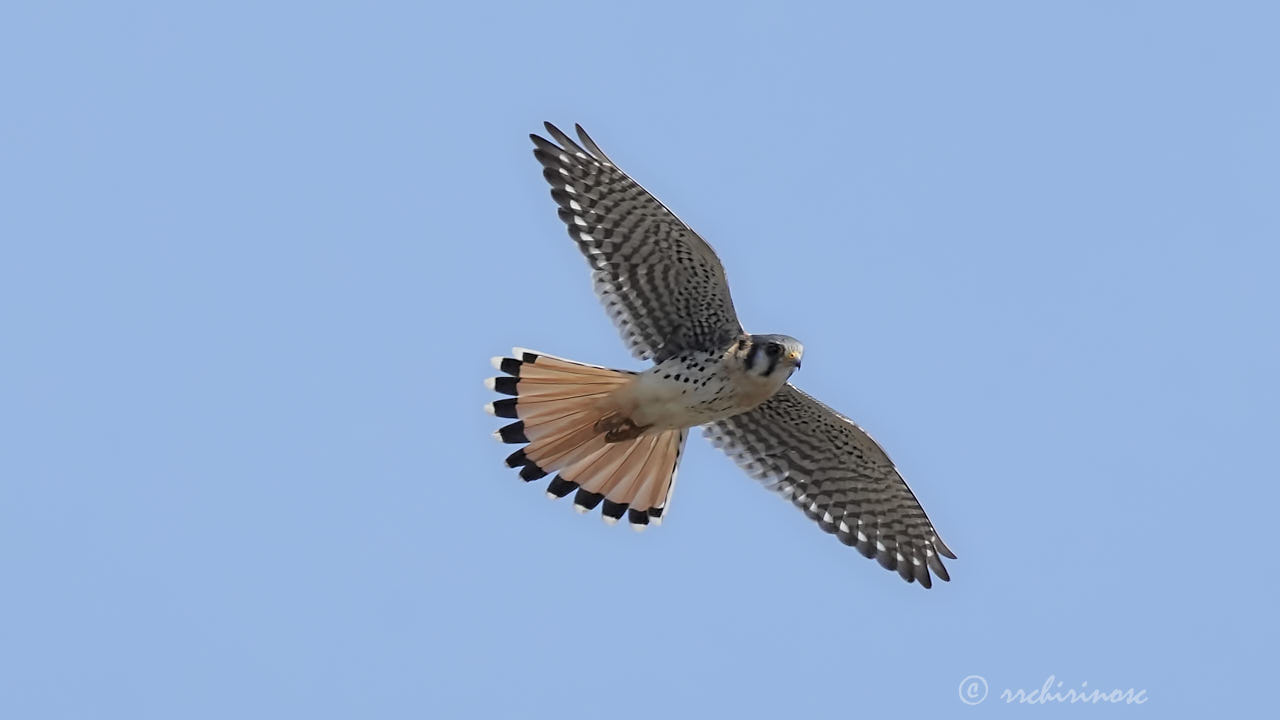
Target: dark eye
x=772 y=349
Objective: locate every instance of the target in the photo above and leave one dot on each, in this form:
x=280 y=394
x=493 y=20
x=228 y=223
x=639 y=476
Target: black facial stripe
x=773 y=363
x=751 y=356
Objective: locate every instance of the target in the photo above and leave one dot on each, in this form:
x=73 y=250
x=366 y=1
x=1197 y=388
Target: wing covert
x=832 y=469
x=662 y=284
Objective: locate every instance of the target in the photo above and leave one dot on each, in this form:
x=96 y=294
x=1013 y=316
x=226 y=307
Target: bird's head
x=773 y=357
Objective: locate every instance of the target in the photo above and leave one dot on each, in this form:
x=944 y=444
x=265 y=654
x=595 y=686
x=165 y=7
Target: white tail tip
x=638 y=528
x=496 y=362
x=488 y=407
x=609 y=520
x=489 y=382
x=580 y=509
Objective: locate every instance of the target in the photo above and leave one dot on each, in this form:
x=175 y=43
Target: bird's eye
x=772 y=349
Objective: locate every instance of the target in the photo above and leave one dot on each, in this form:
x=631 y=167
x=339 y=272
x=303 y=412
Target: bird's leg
x=617 y=428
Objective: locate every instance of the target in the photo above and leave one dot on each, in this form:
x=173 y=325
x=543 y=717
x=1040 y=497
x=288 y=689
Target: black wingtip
x=937 y=567
x=586 y=499
x=510 y=366
x=566 y=142
x=942 y=548
x=531 y=472
x=613 y=509
x=591 y=145
x=905 y=570
x=886 y=559
x=517 y=459
x=505 y=408
x=506 y=385
x=513 y=434
x=560 y=486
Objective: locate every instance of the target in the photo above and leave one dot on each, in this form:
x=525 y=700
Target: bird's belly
x=669 y=403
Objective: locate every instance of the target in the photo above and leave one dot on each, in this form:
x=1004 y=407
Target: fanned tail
x=561 y=414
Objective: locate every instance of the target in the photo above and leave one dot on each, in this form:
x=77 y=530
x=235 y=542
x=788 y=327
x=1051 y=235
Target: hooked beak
x=796 y=357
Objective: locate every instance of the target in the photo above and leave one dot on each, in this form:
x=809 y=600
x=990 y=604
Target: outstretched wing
x=662 y=285
x=830 y=468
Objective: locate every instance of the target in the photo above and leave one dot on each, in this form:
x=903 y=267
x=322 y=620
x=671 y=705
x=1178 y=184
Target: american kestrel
x=616 y=436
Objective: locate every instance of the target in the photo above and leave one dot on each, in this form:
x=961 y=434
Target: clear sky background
x=256 y=258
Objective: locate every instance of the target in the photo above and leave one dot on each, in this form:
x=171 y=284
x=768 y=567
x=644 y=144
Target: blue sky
x=256 y=259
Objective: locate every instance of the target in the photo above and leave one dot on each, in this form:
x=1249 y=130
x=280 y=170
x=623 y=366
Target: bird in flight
x=614 y=437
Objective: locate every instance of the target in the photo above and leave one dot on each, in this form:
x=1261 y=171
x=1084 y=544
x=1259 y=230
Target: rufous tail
x=563 y=419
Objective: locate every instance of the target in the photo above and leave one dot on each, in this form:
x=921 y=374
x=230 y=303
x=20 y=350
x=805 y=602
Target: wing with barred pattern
x=832 y=469
x=660 y=282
